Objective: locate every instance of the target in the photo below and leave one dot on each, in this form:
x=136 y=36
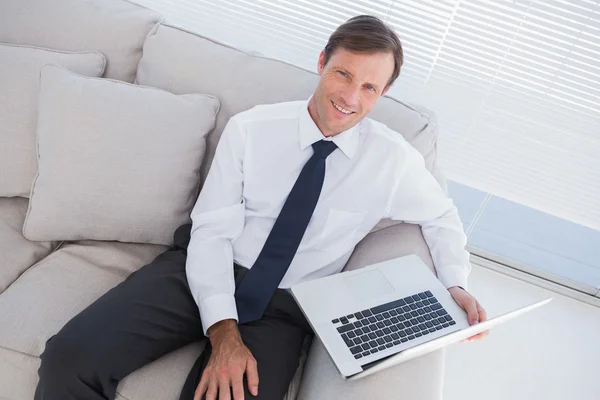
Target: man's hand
x=228 y=362
x=475 y=312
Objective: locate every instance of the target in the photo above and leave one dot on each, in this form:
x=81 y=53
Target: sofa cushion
x=18 y=375
x=182 y=62
x=114 y=27
x=17 y=253
x=59 y=287
x=116 y=161
x=19 y=90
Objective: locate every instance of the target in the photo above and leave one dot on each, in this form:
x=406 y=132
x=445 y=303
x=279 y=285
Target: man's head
x=359 y=64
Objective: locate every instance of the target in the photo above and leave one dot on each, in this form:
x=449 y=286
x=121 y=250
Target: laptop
x=385 y=314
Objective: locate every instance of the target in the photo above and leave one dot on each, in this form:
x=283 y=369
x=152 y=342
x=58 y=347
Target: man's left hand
x=475 y=312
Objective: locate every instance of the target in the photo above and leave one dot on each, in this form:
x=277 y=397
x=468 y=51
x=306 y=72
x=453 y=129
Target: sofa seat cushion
x=48 y=295
x=116 y=28
x=18 y=375
x=116 y=161
x=16 y=252
x=20 y=68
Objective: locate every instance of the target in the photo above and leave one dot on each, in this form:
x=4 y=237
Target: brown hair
x=367 y=34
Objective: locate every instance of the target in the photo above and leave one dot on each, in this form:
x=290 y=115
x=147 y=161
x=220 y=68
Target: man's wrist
x=222 y=330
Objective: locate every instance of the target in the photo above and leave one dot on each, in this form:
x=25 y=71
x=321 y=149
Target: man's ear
x=321 y=62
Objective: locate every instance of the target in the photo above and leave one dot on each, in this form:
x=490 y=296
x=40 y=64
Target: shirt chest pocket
x=340 y=229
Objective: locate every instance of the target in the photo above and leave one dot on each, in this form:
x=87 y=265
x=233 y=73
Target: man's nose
x=350 y=96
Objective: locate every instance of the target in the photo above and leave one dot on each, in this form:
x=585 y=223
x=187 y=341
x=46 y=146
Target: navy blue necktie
x=260 y=283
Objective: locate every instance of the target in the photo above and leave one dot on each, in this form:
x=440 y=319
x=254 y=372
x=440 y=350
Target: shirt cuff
x=453 y=275
x=217 y=308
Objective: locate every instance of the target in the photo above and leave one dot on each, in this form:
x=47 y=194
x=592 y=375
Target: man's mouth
x=341 y=109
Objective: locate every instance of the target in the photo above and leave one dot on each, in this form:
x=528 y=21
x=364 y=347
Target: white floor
x=552 y=353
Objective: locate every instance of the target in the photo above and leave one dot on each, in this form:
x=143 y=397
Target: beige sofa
x=45 y=283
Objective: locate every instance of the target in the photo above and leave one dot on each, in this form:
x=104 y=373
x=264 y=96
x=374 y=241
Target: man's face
x=352 y=82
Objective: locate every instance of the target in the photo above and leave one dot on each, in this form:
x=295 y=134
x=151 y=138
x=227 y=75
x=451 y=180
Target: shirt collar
x=346 y=141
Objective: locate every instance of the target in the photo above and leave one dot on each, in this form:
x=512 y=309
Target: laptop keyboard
x=388 y=325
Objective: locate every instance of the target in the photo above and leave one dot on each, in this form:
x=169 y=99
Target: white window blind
x=515 y=84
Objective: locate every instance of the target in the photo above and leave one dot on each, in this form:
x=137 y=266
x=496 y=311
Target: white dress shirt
x=375 y=173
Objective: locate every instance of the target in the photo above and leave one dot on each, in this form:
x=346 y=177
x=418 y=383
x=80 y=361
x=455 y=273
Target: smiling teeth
x=341 y=109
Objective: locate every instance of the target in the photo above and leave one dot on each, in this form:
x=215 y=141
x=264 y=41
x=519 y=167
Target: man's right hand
x=228 y=362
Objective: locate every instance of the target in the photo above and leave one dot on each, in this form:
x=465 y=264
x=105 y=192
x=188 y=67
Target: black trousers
x=150 y=314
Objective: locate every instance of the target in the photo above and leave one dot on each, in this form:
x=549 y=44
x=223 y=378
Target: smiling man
x=292 y=189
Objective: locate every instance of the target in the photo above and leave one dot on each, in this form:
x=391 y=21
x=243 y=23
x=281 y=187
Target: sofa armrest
x=420 y=378
x=391 y=241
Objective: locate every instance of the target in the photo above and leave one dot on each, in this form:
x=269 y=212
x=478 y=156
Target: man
x=292 y=188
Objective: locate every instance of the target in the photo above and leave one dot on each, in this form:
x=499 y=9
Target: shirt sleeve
x=419 y=199
x=217 y=220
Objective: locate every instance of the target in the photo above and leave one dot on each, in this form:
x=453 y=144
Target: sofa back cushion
x=182 y=62
x=20 y=68
x=116 y=161
x=116 y=28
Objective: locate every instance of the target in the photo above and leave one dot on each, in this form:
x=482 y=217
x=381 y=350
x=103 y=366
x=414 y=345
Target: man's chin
x=336 y=129
x=344 y=126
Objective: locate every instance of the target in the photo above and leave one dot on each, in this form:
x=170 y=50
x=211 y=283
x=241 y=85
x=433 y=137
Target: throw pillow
x=116 y=161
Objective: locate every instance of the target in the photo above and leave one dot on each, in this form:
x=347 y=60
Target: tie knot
x=323 y=148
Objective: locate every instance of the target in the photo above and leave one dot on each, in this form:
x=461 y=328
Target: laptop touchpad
x=369 y=284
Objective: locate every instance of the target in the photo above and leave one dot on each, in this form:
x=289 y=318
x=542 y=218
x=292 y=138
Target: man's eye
x=342 y=73
x=370 y=87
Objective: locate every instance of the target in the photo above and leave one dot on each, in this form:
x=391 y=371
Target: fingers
x=202 y=386
x=220 y=387
x=471 y=309
x=224 y=390
x=481 y=335
x=481 y=311
x=477 y=337
x=481 y=316
x=237 y=385
x=213 y=389
x=252 y=376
